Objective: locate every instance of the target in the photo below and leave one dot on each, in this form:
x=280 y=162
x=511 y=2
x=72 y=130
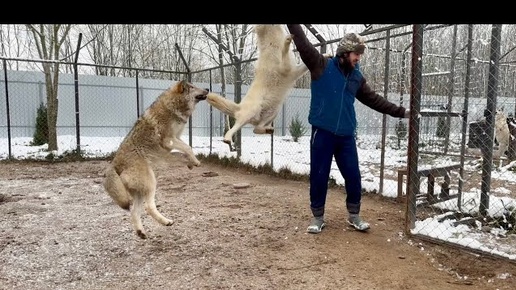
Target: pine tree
x=41 y=134
x=296 y=128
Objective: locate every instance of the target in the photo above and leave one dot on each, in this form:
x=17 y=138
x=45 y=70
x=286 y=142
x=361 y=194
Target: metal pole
x=76 y=82
x=415 y=103
x=189 y=78
x=465 y=115
x=384 y=118
x=137 y=95
x=238 y=98
x=492 y=91
x=451 y=86
x=211 y=118
x=7 y=109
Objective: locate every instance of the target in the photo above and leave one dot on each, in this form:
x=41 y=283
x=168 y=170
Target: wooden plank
x=431 y=173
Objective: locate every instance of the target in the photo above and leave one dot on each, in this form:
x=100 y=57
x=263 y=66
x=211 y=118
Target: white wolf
x=501 y=133
x=275 y=75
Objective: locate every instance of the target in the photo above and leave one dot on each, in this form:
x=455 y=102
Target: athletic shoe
x=355 y=221
x=316 y=225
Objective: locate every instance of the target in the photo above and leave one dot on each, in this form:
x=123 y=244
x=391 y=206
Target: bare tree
x=48 y=39
x=143 y=46
x=233 y=47
x=13 y=43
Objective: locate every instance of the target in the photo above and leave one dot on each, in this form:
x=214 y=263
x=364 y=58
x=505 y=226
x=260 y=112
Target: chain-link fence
x=460 y=167
x=452 y=162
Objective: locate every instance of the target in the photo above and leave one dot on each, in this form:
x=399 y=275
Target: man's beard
x=346 y=64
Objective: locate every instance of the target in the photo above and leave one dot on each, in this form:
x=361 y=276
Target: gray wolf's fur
x=130 y=179
x=275 y=75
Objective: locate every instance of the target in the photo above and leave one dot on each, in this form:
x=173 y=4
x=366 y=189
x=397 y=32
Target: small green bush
x=41 y=134
x=296 y=128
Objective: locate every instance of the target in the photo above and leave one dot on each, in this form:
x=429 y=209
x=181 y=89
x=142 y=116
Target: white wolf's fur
x=130 y=179
x=275 y=75
x=502 y=134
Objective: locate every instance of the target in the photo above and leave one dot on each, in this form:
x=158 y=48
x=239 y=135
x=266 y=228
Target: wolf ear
x=182 y=86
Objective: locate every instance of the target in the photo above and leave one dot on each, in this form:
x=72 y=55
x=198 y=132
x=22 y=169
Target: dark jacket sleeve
x=314 y=60
x=373 y=100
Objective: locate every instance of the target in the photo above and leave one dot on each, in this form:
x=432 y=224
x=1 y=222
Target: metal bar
x=436 y=74
x=319 y=37
x=467 y=79
x=451 y=85
x=7 y=109
x=384 y=117
x=492 y=91
x=76 y=83
x=440 y=114
x=189 y=78
x=415 y=103
x=137 y=96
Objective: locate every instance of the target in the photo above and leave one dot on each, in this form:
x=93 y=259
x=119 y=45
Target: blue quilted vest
x=333 y=97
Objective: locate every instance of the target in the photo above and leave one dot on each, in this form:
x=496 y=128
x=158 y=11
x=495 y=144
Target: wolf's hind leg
x=140 y=181
x=136 y=220
x=240 y=120
x=265 y=125
x=149 y=193
x=263 y=130
x=150 y=205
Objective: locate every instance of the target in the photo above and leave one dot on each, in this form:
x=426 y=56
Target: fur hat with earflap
x=351 y=42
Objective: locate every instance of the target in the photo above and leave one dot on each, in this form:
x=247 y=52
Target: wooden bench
x=431 y=174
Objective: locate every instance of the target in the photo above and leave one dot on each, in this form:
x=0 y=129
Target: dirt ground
x=59 y=230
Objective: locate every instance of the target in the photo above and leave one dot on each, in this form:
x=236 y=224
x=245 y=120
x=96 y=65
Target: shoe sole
x=315 y=230
x=357 y=228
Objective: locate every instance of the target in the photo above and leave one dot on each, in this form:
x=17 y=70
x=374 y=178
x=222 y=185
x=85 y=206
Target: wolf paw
x=141 y=234
x=230 y=144
x=288 y=39
x=192 y=164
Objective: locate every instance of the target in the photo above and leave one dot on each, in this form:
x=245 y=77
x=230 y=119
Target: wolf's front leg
x=286 y=44
x=285 y=52
x=300 y=70
x=187 y=150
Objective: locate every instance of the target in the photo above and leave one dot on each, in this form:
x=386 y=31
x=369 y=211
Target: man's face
x=353 y=58
x=350 y=59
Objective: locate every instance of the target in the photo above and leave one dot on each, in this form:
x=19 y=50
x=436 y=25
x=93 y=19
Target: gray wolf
x=130 y=180
x=275 y=75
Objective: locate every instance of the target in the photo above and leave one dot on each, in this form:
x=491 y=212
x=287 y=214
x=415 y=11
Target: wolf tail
x=115 y=188
x=226 y=106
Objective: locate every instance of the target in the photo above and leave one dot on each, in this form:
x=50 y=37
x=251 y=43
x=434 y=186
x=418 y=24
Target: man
x=335 y=84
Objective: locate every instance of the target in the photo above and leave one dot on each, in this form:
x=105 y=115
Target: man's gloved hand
x=407 y=113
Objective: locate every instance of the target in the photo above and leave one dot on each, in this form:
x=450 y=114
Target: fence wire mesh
x=459 y=182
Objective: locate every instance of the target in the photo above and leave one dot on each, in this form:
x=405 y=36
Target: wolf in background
x=275 y=75
x=130 y=179
x=501 y=133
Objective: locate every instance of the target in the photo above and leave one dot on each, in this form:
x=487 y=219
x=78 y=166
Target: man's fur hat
x=351 y=42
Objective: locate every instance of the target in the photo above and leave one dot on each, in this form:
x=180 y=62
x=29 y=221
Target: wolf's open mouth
x=200 y=97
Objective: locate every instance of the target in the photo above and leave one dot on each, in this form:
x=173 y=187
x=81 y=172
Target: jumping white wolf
x=275 y=75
